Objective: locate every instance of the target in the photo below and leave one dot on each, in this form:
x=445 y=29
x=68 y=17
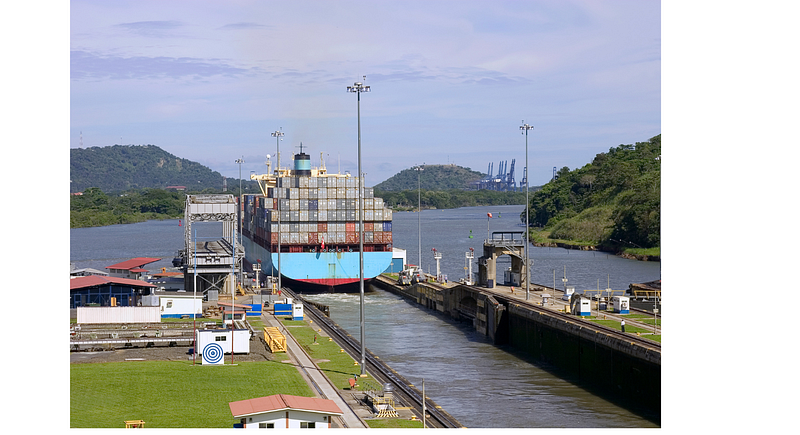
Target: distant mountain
x=124 y=167
x=432 y=177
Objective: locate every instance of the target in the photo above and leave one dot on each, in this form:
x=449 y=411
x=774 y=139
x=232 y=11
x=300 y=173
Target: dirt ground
x=258 y=352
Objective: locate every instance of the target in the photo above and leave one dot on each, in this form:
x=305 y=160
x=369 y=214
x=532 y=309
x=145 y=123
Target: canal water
x=481 y=385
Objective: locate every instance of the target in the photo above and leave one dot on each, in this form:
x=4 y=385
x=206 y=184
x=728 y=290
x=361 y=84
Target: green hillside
x=613 y=202
x=432 y=177
x=125 y=167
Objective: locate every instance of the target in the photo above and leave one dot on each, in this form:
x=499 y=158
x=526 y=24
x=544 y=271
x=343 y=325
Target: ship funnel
x=302 y=163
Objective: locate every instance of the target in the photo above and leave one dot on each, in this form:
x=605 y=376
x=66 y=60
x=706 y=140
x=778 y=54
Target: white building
x=282 y=411
x=177 y=304
x=223 y=337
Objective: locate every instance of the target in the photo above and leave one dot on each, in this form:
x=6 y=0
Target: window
x=307 y=425
x=220 y=338
x=169 y=304
x=262 y=425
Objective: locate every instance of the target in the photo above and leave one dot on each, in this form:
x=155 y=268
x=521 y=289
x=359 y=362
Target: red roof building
x=99 y=290
x=285 y=411
x=98 y=280
x=130 y=268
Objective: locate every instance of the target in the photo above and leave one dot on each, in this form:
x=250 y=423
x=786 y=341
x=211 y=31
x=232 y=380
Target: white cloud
x=454 y=77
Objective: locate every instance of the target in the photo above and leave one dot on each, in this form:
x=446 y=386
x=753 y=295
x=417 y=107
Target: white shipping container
x=92 y=315
x=322 y=216
x=303 y=192
x=294 y=204
x=303 y=182
x=284 y=229
x=303 y=215
x=322 y=193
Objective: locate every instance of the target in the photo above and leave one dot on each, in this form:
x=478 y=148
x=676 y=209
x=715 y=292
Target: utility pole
x=239 y=212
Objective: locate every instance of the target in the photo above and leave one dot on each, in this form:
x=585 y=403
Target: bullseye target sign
x=212 y=354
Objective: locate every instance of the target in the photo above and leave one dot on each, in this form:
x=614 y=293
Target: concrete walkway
x=313 y=373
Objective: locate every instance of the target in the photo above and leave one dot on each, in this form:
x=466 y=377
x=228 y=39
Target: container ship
x=315 y=216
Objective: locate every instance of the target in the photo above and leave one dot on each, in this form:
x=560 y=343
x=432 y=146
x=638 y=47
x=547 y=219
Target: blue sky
x=451 y=81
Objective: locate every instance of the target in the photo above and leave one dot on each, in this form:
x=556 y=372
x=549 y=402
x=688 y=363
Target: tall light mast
x=358 y=88
x=527 y=127
x=277 y=134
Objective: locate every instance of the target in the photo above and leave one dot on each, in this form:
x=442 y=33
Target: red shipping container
x=274 y=238
x=350 y=227
x=322 y=227
x=387 y=237
x=313 y=238
x=351 y=238
x=368 y=226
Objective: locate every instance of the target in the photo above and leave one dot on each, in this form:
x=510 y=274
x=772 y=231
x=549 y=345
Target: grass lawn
x=172 y=394
x=616 y=325
x=338 y=366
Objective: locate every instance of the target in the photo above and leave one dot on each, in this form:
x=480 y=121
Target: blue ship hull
x=321 y=271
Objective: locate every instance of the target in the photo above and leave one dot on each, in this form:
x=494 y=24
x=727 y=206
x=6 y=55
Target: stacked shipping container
x=317 y=210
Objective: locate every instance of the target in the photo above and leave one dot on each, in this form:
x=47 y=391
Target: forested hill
x=613 y=201
x=432 y=177
x=124 y=167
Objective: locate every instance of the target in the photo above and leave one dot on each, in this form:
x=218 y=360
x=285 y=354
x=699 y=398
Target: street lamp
x=358 y=88
x=419 y=213
x=240 y=161
x=277 y=134
x=527 y=127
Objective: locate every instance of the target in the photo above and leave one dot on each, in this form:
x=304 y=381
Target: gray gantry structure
x=212 y=259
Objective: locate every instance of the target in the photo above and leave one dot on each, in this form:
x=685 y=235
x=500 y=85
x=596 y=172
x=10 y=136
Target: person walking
x=623 y=325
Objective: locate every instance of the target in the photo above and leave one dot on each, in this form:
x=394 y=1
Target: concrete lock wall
x=621 y=368
x=598 y=359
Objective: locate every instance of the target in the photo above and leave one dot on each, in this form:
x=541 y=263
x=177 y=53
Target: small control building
x=283 y=411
